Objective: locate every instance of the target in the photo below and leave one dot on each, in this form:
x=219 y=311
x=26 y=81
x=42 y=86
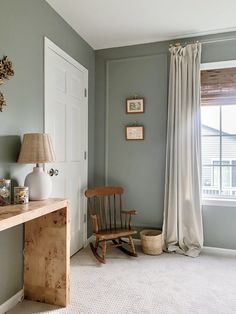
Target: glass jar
x=5 y=192
x=21 y=195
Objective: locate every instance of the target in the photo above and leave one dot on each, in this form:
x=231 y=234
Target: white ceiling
x=114 y=23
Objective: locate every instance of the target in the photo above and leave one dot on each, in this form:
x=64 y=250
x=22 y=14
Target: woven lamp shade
x=36 y=148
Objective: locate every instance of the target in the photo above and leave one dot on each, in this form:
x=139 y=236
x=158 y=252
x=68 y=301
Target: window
x=218 y=118
x=218 y=150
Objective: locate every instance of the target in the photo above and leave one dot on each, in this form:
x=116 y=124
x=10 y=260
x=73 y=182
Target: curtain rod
x=209 y=41
x=178 y=44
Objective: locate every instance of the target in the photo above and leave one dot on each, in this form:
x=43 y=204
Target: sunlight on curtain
x=182 y=226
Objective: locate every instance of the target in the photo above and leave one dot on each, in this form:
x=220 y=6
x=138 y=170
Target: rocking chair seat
x=114 y=233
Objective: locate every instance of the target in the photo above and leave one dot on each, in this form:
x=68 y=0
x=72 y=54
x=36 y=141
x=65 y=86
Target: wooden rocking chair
x=110 y=221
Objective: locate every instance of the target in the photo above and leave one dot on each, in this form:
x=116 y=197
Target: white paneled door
x=66 y=116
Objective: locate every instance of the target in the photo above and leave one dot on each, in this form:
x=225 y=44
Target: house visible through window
x=218 y=118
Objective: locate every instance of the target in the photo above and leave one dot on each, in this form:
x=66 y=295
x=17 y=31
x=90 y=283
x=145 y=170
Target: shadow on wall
x=9 y=151
x=9 y=148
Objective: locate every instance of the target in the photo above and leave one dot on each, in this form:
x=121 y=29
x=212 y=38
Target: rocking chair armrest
x=130 y=212
x=94 y=222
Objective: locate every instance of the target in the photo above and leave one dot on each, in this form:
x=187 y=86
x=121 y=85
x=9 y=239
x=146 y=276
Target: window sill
x=219 y=202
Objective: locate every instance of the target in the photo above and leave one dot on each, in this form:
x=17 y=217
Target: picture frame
x=134 y=133
x=135 y=105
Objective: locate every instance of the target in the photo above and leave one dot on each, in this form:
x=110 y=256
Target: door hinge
x=85 y=155
x=85 y=217
x=85 y=92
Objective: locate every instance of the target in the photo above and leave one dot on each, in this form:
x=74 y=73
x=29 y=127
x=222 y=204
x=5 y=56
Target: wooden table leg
x=47 y=258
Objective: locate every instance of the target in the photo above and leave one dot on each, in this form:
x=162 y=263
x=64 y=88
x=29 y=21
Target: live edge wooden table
x=46 y=248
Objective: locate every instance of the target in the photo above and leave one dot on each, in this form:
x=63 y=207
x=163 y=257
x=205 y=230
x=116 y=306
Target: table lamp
x=37 y=149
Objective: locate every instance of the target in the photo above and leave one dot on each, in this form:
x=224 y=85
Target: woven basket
x=151 y=241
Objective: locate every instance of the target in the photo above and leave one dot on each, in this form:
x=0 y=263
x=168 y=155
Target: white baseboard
x=219 y=250
x=9 y=304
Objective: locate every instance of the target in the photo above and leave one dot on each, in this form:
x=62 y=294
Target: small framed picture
x=135 y=105
x=134 y=133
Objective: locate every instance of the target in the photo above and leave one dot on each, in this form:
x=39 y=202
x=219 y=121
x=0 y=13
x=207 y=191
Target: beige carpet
x=165 y=284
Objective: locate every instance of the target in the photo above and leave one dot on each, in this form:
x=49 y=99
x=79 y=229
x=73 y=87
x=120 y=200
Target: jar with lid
x=21 y=195
x=5 y=192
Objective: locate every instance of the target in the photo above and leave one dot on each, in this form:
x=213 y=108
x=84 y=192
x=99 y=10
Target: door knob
x=53 y=172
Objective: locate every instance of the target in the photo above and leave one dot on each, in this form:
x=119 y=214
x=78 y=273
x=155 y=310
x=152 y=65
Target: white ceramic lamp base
x=39 y=183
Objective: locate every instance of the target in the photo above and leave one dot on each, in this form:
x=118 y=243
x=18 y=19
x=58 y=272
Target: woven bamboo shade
x=218 y=87
x=36 y=148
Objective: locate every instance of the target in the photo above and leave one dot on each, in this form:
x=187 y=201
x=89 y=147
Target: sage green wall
x=140 y=166
x=136 y=165
x=23 y=25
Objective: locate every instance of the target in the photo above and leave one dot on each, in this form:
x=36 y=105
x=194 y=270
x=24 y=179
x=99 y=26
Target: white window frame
x=219 y=201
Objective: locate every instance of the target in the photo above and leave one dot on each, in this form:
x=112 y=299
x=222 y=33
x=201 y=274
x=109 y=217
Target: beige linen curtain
x=182 y=226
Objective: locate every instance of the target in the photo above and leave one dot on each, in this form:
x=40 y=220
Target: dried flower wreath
x=6 y=71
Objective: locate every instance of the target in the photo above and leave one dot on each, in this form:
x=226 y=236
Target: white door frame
x=49 y=45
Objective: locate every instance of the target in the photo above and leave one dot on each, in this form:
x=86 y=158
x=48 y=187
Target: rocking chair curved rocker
x=110 y=222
